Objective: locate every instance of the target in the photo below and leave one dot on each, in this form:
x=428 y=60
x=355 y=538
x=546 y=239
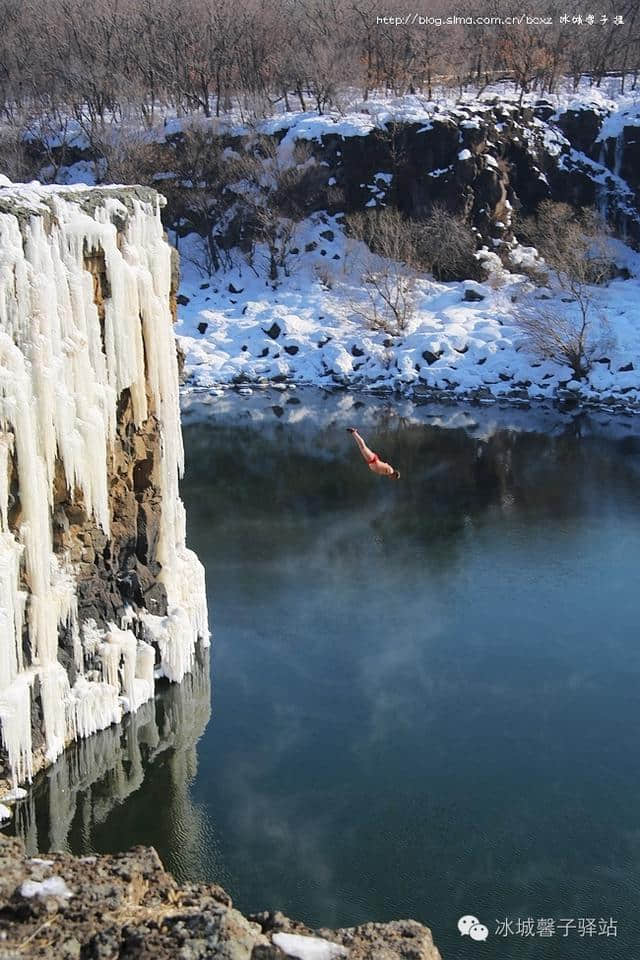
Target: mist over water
x=425 y=692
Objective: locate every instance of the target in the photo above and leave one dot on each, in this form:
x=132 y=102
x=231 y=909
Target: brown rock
x=127 y=906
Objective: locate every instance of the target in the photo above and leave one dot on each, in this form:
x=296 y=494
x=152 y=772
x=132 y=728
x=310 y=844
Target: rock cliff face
x=126 y=905
x=484 y=159
x=98 y=594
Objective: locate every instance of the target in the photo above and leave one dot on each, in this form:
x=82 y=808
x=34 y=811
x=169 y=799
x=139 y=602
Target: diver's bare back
x=373 y=461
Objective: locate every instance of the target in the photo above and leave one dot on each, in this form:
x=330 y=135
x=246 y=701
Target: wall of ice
x=64 y=363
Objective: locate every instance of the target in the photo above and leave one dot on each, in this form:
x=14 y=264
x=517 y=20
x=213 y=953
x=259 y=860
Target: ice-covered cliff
x=98 y=593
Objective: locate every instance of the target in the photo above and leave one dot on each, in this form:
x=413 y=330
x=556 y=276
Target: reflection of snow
x=312 y=409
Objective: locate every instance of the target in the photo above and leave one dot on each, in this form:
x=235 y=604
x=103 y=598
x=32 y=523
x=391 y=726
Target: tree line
x=100 y=61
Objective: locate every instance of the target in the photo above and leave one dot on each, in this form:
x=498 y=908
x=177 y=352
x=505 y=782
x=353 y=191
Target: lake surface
x=425 y=693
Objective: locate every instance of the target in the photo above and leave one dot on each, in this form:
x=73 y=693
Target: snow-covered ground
x=464 y=339
x=353 y=116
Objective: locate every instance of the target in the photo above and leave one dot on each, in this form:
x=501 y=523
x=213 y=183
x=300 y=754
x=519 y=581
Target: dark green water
x=426 y=693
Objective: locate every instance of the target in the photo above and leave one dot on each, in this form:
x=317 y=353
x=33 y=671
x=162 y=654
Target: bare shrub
x=442 y=244
x=445 y=245
x=574 y=243
x=129 y=157
x=324 y=275
x=279 y=236
x=46 y=133
x=15 y=161
x=388 y=275
x=577 y=252
x=386 y=233
x=558 y=336
x=197 y=195
x=275 y=202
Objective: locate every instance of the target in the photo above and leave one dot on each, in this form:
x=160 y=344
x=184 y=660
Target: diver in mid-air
x=373 y=461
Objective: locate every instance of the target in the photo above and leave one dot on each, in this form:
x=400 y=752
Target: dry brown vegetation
x=387 y=269
x=397 y=249
x=578 y=256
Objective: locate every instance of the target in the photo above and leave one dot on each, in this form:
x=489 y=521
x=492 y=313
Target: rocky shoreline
x=127 y=906
x=564 y=401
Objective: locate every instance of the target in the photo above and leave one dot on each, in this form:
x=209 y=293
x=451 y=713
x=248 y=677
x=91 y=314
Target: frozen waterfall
x=65 y=361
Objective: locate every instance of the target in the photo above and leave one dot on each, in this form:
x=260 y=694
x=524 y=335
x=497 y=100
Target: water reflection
x=92 y=791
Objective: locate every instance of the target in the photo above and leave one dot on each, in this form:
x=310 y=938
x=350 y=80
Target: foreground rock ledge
x=128 y=906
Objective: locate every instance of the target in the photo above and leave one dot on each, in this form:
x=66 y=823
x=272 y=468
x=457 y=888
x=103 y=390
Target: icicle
x=182 y=572
x=169 y=634
x=128 y=665
x=128 y=645
x=619 y=153
x=54 y=693
x=110 y=656
x=145 y=663
x=97 y=705
x=12 y=605
x=63 y=589
x=6 y=448
x=15 y=720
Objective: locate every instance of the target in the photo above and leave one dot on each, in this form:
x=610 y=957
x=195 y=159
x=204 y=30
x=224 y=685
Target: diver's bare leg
x=367 y=454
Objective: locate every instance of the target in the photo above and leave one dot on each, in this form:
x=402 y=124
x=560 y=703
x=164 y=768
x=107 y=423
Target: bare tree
x=99 y=61
x=577 y=252
x=279 y=188
x=387 y=269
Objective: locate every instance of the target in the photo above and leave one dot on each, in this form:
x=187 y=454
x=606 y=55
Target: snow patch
x=308 y=948
x=51 y=887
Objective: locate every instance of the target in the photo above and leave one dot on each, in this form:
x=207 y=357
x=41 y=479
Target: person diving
x=372 y=460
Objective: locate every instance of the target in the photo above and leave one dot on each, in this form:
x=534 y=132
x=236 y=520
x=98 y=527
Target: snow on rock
x=65 y=360
x=51 y=887
x=16 y=793
x=15 y=721
x=165 y=920
x=308 y=948
x=624 y=114
x=463 y=338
